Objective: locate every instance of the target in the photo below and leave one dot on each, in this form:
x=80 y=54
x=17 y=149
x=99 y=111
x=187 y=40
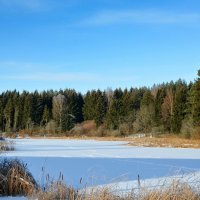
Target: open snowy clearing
x=100 y=163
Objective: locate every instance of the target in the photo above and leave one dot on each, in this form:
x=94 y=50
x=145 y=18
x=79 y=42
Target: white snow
x=103 y=162
x=124 y=187
x=97 y=149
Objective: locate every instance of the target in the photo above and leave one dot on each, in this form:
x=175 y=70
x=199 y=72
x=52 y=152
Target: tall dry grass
x=60 y=191
x=15 y=179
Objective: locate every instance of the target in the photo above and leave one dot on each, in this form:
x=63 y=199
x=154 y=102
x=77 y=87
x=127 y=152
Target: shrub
x=6 y=146
x=15 y=179
x=187 y=128
x=196 y=133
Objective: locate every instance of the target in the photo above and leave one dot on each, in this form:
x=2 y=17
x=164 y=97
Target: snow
x=103 y=162
x=124 y=187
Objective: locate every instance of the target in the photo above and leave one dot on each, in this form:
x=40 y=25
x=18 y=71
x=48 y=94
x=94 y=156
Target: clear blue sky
x=90 y=44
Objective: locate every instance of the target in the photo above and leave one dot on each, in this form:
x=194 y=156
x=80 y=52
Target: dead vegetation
x=15 y=179
x=174 y=142
x=177 y=191
x=166 y=141
x=6 y=146
x=56 y=190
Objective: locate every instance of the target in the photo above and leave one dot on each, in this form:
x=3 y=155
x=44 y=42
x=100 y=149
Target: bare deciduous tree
x=58 y=105
x=167 y=106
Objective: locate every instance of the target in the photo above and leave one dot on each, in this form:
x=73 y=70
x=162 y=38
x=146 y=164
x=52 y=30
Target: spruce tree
x=45 y=116
x=100 y=107
x=195 y=101
x=179 y=109
x=95 y=106
x=1 y=115
x=145 y=117
x=8 y=114
x=115 y=114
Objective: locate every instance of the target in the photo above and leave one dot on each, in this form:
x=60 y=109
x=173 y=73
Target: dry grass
x=165 y=142
x=177 y=191
x=6 y=146
x=88 y=130
x=57 y=190
x=15 y=179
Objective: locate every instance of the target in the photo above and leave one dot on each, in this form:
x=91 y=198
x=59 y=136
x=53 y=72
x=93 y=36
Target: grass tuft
x=15 y=179
x=6 y=146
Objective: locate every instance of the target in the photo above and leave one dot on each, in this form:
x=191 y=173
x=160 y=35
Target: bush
x=196 y=133
x=101 y=131
x=158 y=130
x=6 y=146
x=187 y=129
x=15 y=179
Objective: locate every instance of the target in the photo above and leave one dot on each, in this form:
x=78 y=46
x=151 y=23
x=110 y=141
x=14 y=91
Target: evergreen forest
x=167 y=108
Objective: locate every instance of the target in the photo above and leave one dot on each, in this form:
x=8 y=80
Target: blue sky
x=91 y=44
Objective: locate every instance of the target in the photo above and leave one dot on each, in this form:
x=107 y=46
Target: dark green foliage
x=158 y=105
x=9 y=115
x=147 y=99
x=164 y=106
x=1 y=115
x=27 y=112
x=195 y=101
x=179 y=110
x=146 y=115
x=45 y=116
x=71 y=112
x=95 y=106
x=116 y=110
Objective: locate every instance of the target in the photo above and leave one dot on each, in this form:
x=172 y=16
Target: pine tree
x=195 y=101
x=179 y=109
x=95 y=106
x=158 y=106
x=115 y=114
x=16 y=112
x=8 y=114
x=100 y=108
x=27 y=111
x=145 y=117
x=1 y=115
x=45 y=116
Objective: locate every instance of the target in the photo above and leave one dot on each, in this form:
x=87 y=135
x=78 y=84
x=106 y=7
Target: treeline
x=166 y=108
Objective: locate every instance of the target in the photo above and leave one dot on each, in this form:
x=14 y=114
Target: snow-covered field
x=98 y=163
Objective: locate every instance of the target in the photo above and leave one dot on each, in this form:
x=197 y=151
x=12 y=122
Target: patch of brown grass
x=165 y=141
x=177 y=191
x=57 y=190
x=15 y=179
x=175 y=142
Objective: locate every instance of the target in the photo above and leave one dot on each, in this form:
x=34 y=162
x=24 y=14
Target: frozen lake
x=97 y=162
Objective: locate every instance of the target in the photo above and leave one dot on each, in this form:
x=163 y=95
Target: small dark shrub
x=6 y=146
